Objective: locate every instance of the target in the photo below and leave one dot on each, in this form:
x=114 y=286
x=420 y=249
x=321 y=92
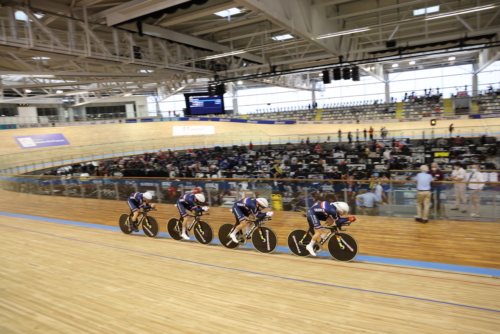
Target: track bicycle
x=203 y=232
x=150 y=226
x=263 y=238
x=342 y=246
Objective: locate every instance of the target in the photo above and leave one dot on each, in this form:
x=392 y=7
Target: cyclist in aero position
x=325 y=211
x=191 y=202
x=138 y=201
x=245 y=208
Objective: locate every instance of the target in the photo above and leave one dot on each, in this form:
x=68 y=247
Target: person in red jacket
x=436 y=186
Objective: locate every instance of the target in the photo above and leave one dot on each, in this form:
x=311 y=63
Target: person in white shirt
x=387 y=154
x=424 y=193
x=459 y=175
x=475 y=196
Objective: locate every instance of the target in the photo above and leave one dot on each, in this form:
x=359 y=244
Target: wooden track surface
x=453 y=242
x=69 y=279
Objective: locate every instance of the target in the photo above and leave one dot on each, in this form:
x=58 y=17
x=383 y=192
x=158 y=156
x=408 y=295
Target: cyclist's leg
x=183 y=213
x=239 y=214
x=134 y=213
x=317 y=233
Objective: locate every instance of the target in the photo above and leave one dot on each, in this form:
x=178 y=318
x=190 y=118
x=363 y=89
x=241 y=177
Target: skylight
x=229 y=12
x=427 y=10
x=282 y=37
x=21 y=16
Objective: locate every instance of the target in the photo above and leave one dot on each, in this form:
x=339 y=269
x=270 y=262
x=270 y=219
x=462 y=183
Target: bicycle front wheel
x=343 y=247
x=203 y=232
x=123 y=222
x=174 y=228
x=150 y=227
x=264 y=239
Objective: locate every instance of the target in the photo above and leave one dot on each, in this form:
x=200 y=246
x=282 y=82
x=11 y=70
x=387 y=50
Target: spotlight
x=27 y=90
x=433 y=122
x=412 y=62
x=451 y=58
x=240 y=82
x=59 y=92
x=395 y=65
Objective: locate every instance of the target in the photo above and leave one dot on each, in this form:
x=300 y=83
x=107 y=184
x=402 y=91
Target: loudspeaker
x=346 y=73
x=220 y=89
x=355 y=73
x=326 y=77
x=336 y=73
x=390 y=44
x=137 y=52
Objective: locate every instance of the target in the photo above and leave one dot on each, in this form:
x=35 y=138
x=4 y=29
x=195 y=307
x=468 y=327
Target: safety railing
x=399 y=199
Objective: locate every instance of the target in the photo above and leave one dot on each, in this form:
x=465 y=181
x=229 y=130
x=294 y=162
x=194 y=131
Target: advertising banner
x=36 y=141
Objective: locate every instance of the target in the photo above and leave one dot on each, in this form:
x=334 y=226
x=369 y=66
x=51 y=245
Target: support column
x=235 y=105
x=475 y=87
x=71 y=115
x=387 y=88
x=129 y=109
x=313 y=96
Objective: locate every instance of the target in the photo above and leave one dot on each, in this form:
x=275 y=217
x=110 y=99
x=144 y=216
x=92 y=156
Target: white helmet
x=147 y=195
x=262 y=202
x=342 y=207
x=200 y=198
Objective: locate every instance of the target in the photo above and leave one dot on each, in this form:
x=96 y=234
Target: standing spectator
x=349 y=136
x=367 y=203
x=250 y=145
x=424 y=180
x=459 y=175
x=371 y=133
x=357 y=134
x=382 y=132
x=475 y=196
x=364 y=132
x=387 y=153
x=436 y=186
x=450 y=129
x=340 y=135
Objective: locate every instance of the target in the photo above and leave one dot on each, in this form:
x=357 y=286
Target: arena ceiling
x=110 y=48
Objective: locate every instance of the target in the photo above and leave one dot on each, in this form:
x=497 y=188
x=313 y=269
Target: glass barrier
x=448 y=200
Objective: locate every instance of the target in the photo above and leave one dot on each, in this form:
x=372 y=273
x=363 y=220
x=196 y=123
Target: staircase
x=399 y=110
x=319 y=114
x=448 y=107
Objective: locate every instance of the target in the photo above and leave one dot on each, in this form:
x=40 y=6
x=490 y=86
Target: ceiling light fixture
x=30 y=75
x=240 y=82
x=412 y=62
x=41 y=58
x=282 y=37
x=460 y=12
x=346 y=32
x=395 y=65
x=59 y=91
x=76 y=93
x=229 y=12
x=451 y=58
x=27 y=90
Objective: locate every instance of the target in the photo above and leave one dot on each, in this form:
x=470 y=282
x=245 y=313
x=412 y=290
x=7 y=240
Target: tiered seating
x=489 y=103
x=414 y=109
x=360 y=112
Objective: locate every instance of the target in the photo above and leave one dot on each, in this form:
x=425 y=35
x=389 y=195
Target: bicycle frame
x=334 y=229
x=257 y=223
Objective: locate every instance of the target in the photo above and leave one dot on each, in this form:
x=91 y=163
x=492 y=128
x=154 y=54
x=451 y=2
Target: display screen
x=203 y=104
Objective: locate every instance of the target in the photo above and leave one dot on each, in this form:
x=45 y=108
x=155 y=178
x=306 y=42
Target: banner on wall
x=482 y=116
x=36 y=141
x=232 y=120
x=193 y=130
x=8 y=126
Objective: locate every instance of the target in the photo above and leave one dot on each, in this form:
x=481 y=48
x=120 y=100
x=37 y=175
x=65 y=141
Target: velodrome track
x=62 y=276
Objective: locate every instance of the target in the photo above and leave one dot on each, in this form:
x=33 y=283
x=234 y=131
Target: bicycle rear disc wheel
x=123 y=223
x=265 y=243
x=203 y=232
x=349 y=251
x=295 y=245
x=174 y=228
x=150 y=227
x=224 y=237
